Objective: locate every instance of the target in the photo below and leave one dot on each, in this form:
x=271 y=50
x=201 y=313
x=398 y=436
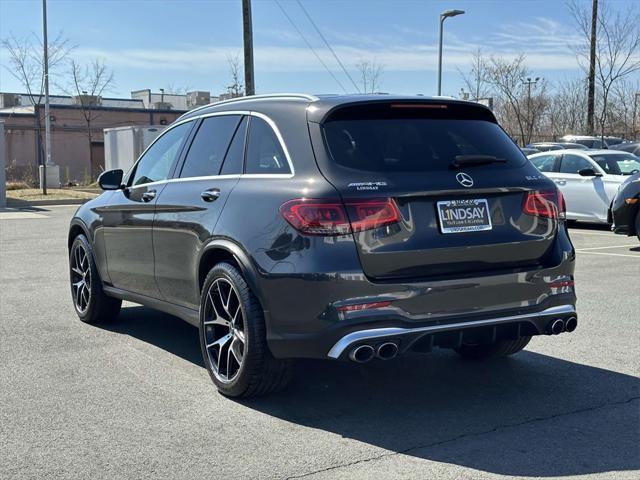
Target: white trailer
x=123 y=145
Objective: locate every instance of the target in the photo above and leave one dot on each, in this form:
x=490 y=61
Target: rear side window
x=264 y=153
x=544 y=163
x=414 y=144
x=235 y=155
x=209 y=146
x=573 y=164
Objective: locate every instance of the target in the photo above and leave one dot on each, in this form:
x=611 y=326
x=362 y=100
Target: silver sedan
x=588 y=179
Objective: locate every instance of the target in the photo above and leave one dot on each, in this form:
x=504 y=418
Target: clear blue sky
x=155 y=43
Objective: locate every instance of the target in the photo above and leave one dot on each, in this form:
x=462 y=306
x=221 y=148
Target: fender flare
x=77 y=222
x=242 y=258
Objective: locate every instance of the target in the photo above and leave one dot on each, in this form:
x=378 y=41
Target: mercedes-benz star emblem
x=464 y=179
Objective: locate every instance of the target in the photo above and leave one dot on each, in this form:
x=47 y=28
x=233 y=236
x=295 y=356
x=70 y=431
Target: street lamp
x=443 y=16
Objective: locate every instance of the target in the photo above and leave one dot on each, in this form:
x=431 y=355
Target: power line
x=310 y=47
x=328 y=46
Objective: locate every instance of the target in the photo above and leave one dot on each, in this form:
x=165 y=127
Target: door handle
x=148 y=195
x=210 y=195
x=561 y=181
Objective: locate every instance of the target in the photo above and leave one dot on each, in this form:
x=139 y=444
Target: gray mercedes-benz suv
x=336 y=227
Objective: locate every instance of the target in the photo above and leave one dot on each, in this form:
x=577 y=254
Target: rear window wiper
x=473 y=160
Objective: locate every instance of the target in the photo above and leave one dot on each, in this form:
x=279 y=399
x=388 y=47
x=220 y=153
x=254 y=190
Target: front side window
x=264 y=153
x=155 y=164
x=618 y=164
x=209 y=146
x=573 y=164
x=544 y=163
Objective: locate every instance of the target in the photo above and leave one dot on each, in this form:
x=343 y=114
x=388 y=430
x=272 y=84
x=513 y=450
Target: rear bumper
x=406 y=338
x=306 y=319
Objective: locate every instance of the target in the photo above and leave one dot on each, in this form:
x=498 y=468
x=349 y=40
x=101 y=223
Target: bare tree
x=476 y=79
x=87 y=84
x=624 y=108
x=173 y=89
x=520 y=105
x=617 y=49
x=370 y=75
x=26 y=65
x=236 y=86
x=26 y=61
x=566 y=112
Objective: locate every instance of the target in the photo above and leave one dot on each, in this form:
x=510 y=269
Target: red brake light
x=332 y=217
x=548 y=204
x=370 y=214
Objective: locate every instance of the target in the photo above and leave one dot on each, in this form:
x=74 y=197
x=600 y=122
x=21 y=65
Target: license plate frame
x=452 y=223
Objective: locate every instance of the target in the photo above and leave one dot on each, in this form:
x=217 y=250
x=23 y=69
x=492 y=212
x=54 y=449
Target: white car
x=588 y=179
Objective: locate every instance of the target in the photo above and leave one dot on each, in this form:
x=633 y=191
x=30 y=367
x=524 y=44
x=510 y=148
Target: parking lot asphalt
x=131 y=399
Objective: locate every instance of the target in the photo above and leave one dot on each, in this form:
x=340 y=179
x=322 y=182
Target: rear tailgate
x=452 y=220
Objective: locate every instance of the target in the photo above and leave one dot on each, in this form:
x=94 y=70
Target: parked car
x=529 y=150
x=610 y=141
x=339 y=228
x=625 y=209
x=631 y=147
x=588 y=141
x=588 y=179
x=545 y=146
x=574 y=146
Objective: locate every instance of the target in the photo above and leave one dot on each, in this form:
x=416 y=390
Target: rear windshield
x=618 y=164
x=416 y=144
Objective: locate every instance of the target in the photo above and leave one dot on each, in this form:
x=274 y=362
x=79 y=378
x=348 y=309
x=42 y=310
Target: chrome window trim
x=260 y=115
x=378 y=333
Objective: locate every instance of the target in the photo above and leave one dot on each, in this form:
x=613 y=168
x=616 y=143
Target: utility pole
x=528 y=82
x=591 y=90
x=47 y=117
x=249 y=83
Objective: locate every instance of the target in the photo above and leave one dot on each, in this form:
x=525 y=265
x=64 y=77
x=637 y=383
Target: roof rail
x=302 y=96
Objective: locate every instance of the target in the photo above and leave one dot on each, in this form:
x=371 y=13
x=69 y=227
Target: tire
x=90 y=302
x=497 y=349
x=242 y=365
x=638 y=224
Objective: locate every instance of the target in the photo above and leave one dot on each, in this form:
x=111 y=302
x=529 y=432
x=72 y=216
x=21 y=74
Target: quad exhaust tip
x=362 y=354
x=387 y=351
x=556 y=327
x=571 y=324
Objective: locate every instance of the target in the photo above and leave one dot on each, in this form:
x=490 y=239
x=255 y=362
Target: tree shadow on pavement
x=527 y=415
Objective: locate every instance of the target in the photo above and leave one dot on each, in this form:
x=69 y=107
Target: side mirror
x=589 y=172
x=111 y=179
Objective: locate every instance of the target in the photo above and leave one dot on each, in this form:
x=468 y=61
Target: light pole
x=443 y=16
x=47 y=118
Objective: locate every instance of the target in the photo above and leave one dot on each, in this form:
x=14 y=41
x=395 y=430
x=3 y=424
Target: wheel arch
x=224 y=250
x=76 y=228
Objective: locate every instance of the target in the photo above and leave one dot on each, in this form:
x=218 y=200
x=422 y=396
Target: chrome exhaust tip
x=387 y=351
x=362 y=354
x=556 y=327
x=571 y=324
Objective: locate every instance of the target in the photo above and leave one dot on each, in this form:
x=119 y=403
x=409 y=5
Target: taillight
x=332 y=217
x=547 y=203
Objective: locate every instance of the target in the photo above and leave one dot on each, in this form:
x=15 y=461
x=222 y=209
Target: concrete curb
x=13 y=203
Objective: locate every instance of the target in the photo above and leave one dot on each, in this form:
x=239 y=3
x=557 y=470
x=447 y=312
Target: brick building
x=79 y=155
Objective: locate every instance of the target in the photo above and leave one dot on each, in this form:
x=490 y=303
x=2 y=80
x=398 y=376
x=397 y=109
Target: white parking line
x=612 y=235
x=610 y=254
x=608 y=246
